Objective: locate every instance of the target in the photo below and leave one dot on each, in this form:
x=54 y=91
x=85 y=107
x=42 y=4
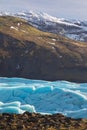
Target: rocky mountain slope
x=28 y=52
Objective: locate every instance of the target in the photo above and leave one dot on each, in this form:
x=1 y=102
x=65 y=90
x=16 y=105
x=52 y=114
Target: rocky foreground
x=32 y=121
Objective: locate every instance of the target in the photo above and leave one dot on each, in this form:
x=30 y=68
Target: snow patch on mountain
x=14 y=28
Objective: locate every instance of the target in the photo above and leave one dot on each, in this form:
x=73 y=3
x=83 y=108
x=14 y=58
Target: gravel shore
x=33 y=121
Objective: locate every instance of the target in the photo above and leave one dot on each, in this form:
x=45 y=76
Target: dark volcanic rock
x=28 y=121
x=30 y=53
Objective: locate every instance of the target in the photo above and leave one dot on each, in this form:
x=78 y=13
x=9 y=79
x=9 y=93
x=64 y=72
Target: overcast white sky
x=61 y=8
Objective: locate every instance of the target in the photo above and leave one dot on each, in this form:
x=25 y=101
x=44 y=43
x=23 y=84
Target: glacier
x=18 y=95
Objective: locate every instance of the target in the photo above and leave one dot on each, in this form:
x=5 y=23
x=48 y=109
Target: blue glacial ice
x=18 y=95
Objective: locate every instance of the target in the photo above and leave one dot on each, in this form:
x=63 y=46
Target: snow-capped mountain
x=74 y=29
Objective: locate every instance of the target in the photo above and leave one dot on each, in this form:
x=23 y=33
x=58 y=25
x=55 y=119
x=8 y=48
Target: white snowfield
x=18 y=95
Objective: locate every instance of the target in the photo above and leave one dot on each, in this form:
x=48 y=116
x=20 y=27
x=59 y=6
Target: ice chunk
x=15 y=107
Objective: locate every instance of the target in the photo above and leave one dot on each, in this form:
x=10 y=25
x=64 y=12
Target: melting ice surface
x=18 y=95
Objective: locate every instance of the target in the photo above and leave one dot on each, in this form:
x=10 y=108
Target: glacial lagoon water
x=18 y=95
